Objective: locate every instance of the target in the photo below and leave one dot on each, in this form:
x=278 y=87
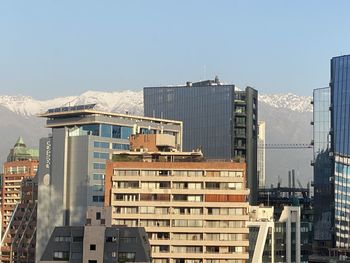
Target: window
x=91 y=129
x=92 y=261
x=78 y=239
x=98 y=215
x=98 y=144
x=62 y=239
x=99 y=166
x=106 y=131
x=126 y=132
x=61 y=255
x=97 y=198
x=99 y=176
x=111 y=239
x=116 y=132
x=127 y=256
x=120 y=146
x=128 y=240
x=97 y=188
x=100 y=155
x=92 y=247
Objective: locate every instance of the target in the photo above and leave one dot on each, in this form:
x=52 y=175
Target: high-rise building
x=193 y=210
x=22 y=162
x=217 y=118
x=97 y=241
x=323 y=165
x=73 y=159
x=340 y=128
x=261 y=154
x=19 y=240
x=332 y=165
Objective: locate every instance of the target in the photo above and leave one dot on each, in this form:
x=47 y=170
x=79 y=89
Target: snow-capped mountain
x=107 y=101
x=287 y=118
x=131 y=101
x=288 y=101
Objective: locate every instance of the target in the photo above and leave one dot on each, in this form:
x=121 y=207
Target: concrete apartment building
x=19 y=239
x=22 y=162
x=97 y=241
x=73 y=158
x=193 y=210
x=219 y=118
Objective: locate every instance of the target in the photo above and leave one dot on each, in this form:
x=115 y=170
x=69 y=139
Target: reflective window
x=120 y=146
x=126 y=132
x=116 y=132
x=99 y=166
x=106 y=131
x=92 y=129
x=98 y=198
x=98 y=144
x=100 y=155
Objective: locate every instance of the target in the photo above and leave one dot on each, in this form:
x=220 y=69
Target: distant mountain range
x=287 y=118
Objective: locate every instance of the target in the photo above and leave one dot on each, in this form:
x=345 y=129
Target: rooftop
x=89 y=109
x=209 y=82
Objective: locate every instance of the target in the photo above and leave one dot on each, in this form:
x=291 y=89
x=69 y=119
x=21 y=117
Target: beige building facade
x=193 y=210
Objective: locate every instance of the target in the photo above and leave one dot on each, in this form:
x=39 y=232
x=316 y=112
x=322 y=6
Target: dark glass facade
x=340 y=97
x=207 y=115
x=323 y=171
x=216 y=118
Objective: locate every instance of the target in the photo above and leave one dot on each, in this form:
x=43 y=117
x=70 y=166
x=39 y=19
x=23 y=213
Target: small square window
x=92 y=246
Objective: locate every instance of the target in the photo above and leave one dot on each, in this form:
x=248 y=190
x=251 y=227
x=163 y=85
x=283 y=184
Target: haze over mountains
x=287 y=118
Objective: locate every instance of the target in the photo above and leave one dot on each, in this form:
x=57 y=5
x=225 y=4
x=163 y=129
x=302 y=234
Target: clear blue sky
x=60 y=48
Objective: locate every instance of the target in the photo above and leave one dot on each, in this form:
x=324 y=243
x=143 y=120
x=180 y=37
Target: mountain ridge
x=131 y=101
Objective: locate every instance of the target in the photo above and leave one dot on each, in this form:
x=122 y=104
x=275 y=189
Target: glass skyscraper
x=340 y=98
x=323 y=171
x=218 y=118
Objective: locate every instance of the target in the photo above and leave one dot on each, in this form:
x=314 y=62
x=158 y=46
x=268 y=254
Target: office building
x=217 y=118
x=19 y=239
x=261 y=154
x=22 y=162
x=97 y=241
x=323 y=165
x=193 y=210
x=73 y=159
x=340 y=108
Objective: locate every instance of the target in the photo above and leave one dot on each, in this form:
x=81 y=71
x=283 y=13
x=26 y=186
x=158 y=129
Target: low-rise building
x=97 y=241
